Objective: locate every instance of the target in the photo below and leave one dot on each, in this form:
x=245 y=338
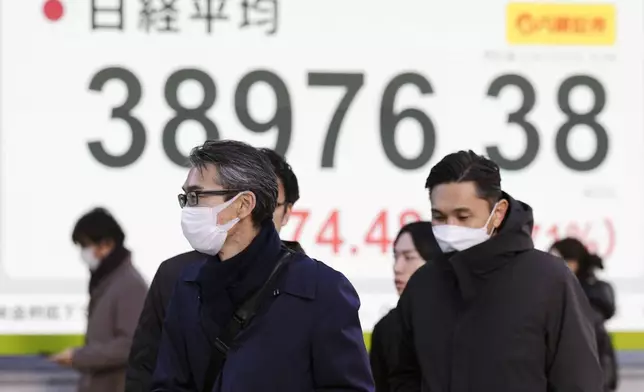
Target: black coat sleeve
x=572 y=360
x=143 y=354
x=602 y=297
x=171 y=372
x=405 y=375
x=378 y=360
x=384 y=349
x=606 y=354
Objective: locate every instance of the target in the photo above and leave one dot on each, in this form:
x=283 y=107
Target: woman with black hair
x=411 y=251
x=600 y=295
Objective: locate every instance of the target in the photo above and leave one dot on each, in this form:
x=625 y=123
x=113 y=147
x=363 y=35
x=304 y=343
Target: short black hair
x=96 y=226
x=285 y=173
x=243 y=167
x=466 y=166
x=421 y=236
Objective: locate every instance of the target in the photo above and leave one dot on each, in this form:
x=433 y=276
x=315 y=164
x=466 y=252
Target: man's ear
x=500 y=213
x=247 y=202
x=287 y=213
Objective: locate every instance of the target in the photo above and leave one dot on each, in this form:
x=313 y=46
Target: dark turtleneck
x=225 y=285
x=110 y=263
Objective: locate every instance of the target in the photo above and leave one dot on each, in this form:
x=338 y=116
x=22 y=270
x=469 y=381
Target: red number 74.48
x=377 y=230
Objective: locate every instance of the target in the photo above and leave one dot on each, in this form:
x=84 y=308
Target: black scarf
x=226 y=285
x=110 y=263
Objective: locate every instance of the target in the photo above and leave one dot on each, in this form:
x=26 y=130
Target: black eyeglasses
x=191 y=199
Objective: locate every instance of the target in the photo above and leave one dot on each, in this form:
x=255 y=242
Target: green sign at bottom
x=48 y=344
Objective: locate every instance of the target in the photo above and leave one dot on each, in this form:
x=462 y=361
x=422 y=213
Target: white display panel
x=99 y=105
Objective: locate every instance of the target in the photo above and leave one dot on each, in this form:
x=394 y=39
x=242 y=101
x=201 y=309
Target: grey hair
x=240 y=166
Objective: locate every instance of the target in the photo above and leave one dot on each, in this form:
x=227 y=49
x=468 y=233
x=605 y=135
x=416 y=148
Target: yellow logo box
x=560 y=24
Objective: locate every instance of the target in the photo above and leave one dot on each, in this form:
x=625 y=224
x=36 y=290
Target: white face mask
x=88 y=257
x=458 y=238
x=201 y=229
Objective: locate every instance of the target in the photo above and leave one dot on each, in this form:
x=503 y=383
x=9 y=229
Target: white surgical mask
x=201 y=229
x=88 y=257
x=458 y=238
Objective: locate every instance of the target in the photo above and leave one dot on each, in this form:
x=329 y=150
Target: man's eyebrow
x=191 y=188
x=456 y=210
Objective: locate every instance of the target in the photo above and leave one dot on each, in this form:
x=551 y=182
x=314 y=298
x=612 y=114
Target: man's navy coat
x=308 y=338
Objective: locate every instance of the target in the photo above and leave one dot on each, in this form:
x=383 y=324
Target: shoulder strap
x=241 y=318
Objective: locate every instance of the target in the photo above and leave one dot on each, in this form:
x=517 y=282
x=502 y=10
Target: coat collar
x=300 y=279
x=478 y=262
x=108 y=266
x=105 y=283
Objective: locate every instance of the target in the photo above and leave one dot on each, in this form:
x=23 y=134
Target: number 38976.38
x=281 y=121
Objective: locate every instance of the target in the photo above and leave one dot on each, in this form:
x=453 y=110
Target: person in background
x=143 y=356
x=412 y=249
x=117 y=292
x=305 y=334
x=601 y=296
x=288 y=193
x=491 y=312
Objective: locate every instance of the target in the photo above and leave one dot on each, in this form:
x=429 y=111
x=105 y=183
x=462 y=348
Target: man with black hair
x=491 y=313
x=117 y=292
x=287 y=194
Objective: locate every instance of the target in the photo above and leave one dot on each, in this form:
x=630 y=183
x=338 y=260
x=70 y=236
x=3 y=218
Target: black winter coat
x=500 y=316
x=385 y=340
x=602 y=299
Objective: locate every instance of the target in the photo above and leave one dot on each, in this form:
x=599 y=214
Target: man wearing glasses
x=229 y=200
x=143 y=354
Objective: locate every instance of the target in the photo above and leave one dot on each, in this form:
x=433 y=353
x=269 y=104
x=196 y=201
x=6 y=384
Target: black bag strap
x=241 y=319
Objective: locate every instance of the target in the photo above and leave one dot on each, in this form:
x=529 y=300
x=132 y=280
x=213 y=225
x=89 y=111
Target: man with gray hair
x=253 y=315
x=143 y=355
